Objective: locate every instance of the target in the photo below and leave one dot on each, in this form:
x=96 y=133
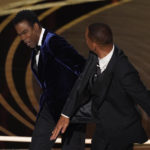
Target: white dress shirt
x=39 y=44
x=103 y=62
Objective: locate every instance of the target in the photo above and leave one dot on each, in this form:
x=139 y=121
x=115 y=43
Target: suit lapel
x=113 y=60
x=88 y=70
x=44 y=36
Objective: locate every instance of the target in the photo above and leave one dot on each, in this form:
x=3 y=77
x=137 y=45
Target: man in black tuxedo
x=113 y=87
x=56 y=65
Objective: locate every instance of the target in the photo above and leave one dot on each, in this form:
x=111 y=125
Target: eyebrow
x=22 y=32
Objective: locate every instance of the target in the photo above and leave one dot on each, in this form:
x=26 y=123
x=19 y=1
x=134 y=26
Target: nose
x=23 y=37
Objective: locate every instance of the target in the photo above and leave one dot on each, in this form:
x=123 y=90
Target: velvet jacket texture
x=58 y=68
x=111 y=100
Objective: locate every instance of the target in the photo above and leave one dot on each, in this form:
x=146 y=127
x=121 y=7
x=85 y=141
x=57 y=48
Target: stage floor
x=137 y=147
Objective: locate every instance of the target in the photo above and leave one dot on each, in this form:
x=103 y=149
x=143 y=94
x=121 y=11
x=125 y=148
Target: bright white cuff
x=64 y=115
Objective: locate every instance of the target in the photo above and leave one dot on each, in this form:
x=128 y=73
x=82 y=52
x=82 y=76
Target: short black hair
x=26 y=15
x=100 y=33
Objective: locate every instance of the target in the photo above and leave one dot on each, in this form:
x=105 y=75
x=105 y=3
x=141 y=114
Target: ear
x=94 y=45
x=36 y=26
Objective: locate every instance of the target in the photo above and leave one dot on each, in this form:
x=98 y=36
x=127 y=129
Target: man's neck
x=103 y=51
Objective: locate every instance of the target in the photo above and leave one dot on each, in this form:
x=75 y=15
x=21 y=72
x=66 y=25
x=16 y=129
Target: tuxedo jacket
x=113 y=98
x=58 y=67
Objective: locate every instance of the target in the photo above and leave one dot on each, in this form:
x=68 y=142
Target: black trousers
x=100 y=141
x=73 y=139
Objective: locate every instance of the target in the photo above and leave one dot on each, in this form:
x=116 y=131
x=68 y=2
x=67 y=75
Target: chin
x=32 y=46
x=93 y=50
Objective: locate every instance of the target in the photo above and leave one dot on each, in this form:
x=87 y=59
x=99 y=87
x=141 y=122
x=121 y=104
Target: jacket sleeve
x=133 y=86
x=79 y=93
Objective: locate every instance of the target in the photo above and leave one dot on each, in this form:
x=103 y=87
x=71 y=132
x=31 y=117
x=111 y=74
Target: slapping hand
x=61 y=126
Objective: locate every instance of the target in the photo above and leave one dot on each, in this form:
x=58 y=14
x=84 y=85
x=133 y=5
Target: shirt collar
x=41 y=37
x=105 y=60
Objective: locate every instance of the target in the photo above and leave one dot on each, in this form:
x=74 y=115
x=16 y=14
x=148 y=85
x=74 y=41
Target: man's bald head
x=100 y=33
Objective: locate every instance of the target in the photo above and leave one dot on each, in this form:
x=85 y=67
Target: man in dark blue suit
x=56 y=65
